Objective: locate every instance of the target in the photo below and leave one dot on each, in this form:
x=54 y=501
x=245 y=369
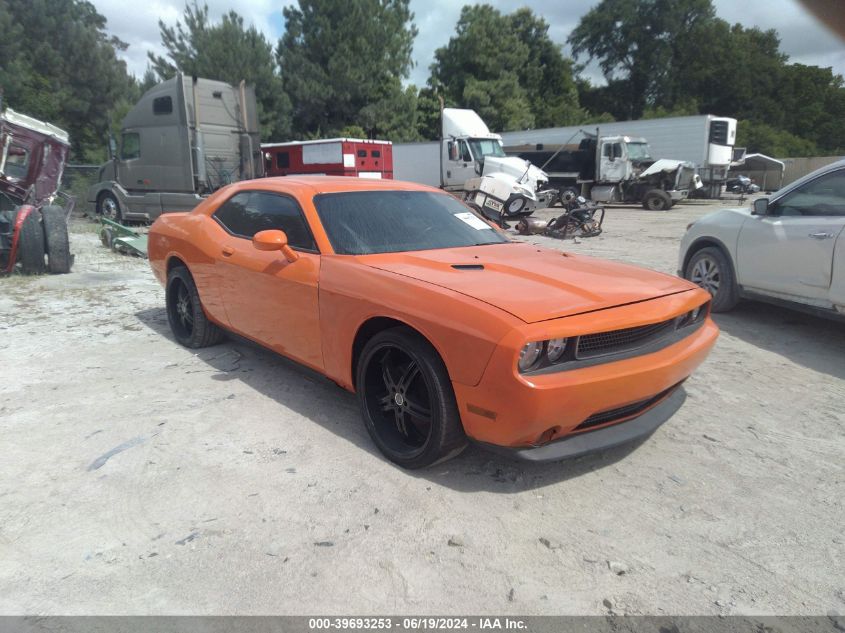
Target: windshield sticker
x=473 y=220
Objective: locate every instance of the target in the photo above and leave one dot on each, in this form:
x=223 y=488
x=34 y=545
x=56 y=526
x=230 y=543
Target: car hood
x=531 y=283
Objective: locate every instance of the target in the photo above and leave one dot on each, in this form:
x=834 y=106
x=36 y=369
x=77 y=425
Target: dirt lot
x=140 y=477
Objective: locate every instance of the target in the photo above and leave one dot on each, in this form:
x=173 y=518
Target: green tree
x=57 y=63
x=342 y=63
x=226 y=51
x=644 y=48
x=506 y=68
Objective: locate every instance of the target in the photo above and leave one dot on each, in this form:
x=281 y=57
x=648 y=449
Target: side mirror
x=274 y=240
x=761 y=206
x=112 y=147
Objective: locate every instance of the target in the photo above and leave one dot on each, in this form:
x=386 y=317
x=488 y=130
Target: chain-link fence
x=75 y=182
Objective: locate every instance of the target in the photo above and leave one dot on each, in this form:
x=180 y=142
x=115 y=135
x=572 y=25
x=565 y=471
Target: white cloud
x=802 y=38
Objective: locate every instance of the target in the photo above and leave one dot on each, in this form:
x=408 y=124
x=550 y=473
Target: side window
x=283 y=213
x=617 y=150
x=283 y=160
x=247 y=213
x=162 y=105
x=465 y=153
x=17 y=162
x=362 y=153
x=824 y=196
x=453 y=150
x=130 y=146
x=607 y=150
x=375 y=153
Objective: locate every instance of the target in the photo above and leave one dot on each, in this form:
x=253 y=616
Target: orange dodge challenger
x=447 y=330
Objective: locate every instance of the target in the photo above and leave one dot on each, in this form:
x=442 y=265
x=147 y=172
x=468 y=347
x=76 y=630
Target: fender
x=23 y=213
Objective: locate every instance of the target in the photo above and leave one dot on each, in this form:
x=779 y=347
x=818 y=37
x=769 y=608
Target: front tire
x=185 y=314
x=109 y=207
x=710 y=269
x=657 y=200
x=59 y=259
x=407 y=400
x=31 y=245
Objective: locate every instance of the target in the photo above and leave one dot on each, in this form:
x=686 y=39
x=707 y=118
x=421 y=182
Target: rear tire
x=185 y=313
x=657 y=200
x=710 y=269
x=59 y=259
x=31 y=245
x=407 y=401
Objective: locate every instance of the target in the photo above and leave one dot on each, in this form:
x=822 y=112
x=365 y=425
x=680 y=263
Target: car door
x=461 y=166
x=612 y=165
x=790 y=250
x=267 y=298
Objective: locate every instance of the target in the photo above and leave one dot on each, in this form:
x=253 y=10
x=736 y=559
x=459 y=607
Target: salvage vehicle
x=615 y=169
x=469 y=162
x=446 y=329
x=703 y=140
x=33 y=228
x=787 y=249
x=184 y=139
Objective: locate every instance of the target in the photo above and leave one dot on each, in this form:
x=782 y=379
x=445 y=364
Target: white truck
x=706 y=141
x=470 y=162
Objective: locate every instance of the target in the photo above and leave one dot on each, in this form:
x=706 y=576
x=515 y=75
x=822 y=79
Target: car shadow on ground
x=321 y=401
x=805 y=339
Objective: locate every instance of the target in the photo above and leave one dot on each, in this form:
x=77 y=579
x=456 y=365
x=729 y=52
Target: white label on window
x=473 y=220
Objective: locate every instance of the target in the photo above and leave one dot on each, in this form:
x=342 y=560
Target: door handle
x=821 y=235
x=227 y=251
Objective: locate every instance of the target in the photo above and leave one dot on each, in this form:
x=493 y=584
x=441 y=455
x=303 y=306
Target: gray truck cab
x=185 y=138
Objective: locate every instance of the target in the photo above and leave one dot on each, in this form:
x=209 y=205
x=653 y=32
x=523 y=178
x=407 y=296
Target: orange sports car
x=446 y=329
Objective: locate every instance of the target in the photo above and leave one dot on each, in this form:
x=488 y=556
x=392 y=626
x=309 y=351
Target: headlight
x=541 y=354
x=696 y=315
x=555 y=349
x=529 y=355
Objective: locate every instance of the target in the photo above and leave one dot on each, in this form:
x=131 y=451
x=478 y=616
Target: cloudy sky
x=802 y=38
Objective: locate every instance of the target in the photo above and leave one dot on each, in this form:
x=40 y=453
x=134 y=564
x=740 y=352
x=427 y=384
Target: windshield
x=365 y=222
x=482 y=147
x=639 y=151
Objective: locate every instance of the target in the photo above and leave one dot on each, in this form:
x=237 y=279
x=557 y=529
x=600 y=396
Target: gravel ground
x=140 y=477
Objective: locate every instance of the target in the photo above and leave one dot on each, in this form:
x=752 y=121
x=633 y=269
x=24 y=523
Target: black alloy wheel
x=407 y=400
x=185 y=314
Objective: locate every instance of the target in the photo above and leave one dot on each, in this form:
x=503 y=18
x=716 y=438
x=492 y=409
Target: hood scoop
x=468 y=266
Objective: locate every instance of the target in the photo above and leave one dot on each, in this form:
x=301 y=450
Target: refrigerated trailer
x=705 y=140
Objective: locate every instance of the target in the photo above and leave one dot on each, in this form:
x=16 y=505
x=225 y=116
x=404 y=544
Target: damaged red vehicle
x=33 y=229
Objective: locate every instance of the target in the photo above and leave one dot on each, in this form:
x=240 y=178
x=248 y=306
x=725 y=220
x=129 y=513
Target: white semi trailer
x=706 y=141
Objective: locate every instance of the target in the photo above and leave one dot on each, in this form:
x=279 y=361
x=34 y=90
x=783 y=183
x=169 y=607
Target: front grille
x=621 y=413
x=592 y=345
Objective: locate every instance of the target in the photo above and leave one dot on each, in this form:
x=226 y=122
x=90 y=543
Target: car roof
x=839 y=164
x=330 y=184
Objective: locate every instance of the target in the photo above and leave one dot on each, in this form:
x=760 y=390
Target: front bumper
x=604 y=438
x=679 y=194
x=517 y=411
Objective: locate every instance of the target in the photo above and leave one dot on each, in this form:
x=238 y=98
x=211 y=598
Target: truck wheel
x=108 y=207
x=515 y=204
x=657 y=200
x=568 y=193
x=59 y=259
x=31 y=245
